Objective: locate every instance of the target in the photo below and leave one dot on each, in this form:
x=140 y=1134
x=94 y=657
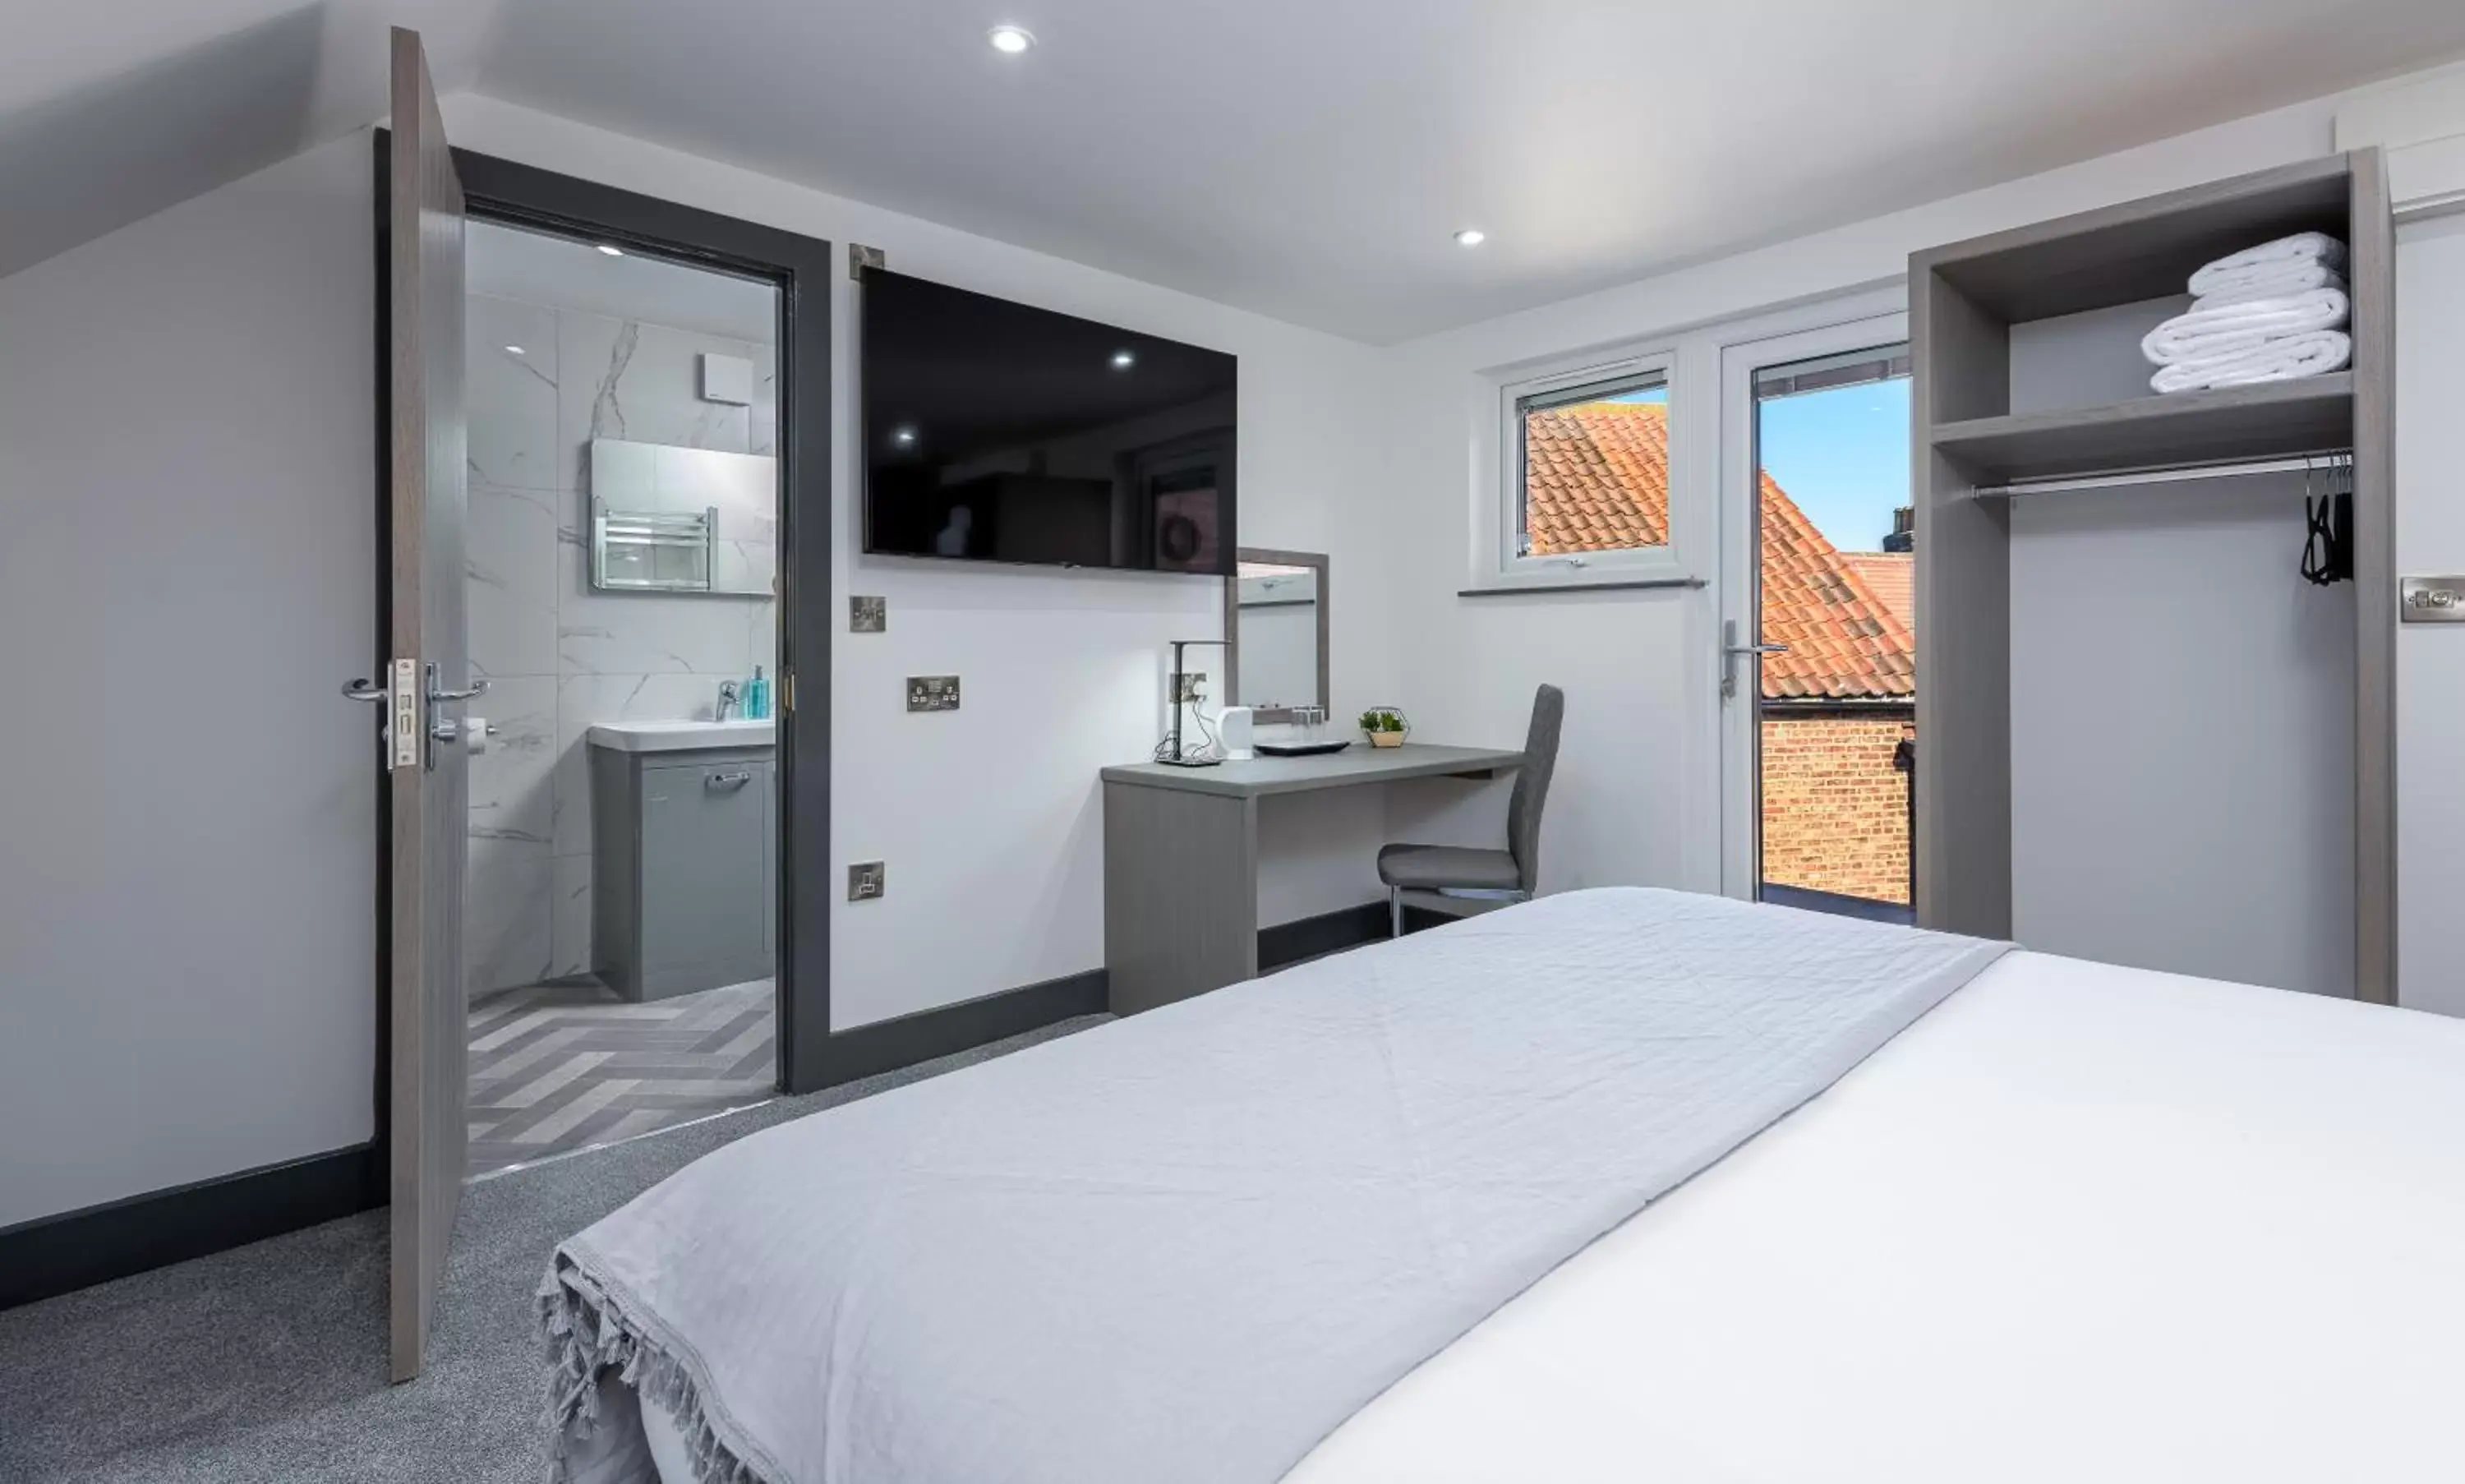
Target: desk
x=1181 y=858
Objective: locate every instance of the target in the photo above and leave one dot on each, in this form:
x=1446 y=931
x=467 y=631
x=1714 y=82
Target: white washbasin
x=679 y=736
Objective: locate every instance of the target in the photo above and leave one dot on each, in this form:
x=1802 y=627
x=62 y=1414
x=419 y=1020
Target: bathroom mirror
x=679 y=519
x=1275 y=618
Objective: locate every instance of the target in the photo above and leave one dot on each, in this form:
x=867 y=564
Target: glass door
x=1818 y=663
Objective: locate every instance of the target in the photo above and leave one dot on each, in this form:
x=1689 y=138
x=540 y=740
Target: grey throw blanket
x=1188 y=1246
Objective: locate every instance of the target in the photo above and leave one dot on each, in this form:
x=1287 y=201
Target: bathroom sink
x=679 y=736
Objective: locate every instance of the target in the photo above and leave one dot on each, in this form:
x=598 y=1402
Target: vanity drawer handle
x=725 y=780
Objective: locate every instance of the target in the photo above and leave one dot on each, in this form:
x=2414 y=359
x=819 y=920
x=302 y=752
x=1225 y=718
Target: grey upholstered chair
x=1516 y=870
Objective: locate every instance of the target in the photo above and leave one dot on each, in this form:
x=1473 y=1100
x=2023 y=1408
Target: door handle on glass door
x=1731 y=649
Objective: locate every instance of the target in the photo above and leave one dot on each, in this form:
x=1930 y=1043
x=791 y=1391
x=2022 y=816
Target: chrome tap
x=731 y=697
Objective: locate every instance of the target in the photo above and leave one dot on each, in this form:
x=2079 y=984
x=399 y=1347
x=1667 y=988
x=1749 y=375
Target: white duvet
x=2079 y=1224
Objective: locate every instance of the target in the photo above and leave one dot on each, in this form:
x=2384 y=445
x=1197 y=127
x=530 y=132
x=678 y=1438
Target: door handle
x=364 y=690
x=725 y=780
x=1731 y=649
x=475 y=688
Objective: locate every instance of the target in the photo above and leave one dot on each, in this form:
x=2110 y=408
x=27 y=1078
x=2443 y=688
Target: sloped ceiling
x=1302 y=158
x=114 y=109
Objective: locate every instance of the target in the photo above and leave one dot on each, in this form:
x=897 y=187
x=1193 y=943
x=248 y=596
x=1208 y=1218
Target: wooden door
x=427 y=761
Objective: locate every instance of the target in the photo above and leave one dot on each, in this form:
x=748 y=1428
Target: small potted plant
x=1384 y=727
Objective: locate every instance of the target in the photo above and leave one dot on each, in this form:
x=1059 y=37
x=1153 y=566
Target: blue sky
x=1843 y=455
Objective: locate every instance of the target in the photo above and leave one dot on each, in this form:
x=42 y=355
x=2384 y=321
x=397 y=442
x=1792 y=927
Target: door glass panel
x=1836 y=732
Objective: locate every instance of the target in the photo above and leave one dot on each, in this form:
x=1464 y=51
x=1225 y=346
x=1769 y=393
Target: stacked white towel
x=2270 y=313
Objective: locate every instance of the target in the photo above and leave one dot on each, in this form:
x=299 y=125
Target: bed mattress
x=2079 y=1222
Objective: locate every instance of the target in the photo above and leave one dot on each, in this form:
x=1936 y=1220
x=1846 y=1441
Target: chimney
x=1904 y=530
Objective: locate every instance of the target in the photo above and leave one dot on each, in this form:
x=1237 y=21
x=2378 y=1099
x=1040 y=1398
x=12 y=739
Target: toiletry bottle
x=757 y=697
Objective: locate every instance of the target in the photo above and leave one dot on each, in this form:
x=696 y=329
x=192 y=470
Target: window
x=1587 y=479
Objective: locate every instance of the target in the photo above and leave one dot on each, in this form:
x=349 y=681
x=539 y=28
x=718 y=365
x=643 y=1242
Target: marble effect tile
x=626 y=379
x=513 y=571
x=636 y=633
x=512 y=796
x=563 y=656
x=511 y=399
x=569 y=925
x=505 y=919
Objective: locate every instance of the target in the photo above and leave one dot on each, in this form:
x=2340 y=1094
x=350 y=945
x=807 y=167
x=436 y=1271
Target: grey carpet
x=267 y=1362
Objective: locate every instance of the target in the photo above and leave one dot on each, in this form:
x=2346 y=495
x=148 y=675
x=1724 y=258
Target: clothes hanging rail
x=2165 y=474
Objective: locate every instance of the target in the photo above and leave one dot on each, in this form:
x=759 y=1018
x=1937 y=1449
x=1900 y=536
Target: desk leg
x=1181 y=893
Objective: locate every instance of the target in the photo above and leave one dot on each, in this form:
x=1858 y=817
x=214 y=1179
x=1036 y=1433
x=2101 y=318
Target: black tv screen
x=997 y=432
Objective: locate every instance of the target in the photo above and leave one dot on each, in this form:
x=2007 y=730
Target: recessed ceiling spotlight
x=1471 y=236
x=904 y=437
x=514 y=351
x=612 y=250
x=1011 y=40
x=1123 y=359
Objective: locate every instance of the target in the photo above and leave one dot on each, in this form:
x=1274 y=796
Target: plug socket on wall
x=866 y=880
x=932 y=693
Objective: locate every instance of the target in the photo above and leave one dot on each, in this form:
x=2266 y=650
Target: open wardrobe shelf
x=2270 y=420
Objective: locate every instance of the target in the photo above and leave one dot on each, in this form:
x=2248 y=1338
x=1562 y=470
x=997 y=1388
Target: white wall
x=188 y=923
x=989 y=818
x=1636 y=797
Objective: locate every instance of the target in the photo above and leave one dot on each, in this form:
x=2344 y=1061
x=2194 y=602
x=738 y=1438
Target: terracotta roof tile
x=1892 y=576
x=1597 y=478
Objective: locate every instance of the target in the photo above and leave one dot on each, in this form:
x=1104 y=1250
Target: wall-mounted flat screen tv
x=997 y=432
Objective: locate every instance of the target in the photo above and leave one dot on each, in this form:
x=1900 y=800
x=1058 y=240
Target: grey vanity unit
x=684 y=826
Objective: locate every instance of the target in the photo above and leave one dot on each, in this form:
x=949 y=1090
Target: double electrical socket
x=932 y=693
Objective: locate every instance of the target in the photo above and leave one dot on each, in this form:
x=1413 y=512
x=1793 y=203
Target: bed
x=2066 y=1221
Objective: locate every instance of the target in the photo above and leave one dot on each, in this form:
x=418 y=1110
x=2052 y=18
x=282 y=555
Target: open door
x=426 y=678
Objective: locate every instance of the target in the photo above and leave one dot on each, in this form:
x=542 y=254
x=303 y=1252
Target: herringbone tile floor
x=561 y=1067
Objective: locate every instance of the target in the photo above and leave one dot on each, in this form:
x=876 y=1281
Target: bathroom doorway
x=622 y=596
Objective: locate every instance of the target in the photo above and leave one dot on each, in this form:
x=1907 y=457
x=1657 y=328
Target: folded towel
x=2229 y=329
x=2281 y=359
x=2275 y=281
x=2303 y=247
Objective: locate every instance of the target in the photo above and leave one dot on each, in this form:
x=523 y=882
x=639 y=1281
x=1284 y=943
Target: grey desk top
x=1358 y=764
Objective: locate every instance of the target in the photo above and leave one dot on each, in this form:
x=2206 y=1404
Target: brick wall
x=1835 y=814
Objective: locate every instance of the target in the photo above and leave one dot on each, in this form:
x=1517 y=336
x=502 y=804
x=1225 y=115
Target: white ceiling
x=538 y=268
x=1305 y=158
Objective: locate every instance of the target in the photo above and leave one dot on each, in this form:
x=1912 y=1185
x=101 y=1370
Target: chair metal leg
x=1395 y=911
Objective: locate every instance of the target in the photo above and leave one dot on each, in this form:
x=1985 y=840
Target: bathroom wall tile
x=505 y=919
x=511 y=399
x=512 y=784
x=761 y=643
x=583 y=699
x=626 y=379
x=570 y=916
x=636 y=633
x=514 y=570
x=744 y=566
x=764 y=420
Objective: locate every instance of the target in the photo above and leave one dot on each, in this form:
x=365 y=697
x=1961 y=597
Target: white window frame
x=1625 y=372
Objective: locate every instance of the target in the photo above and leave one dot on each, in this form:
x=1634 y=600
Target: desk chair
x=1513 y=873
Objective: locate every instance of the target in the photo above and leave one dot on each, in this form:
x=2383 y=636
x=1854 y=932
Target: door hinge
x=786 y=691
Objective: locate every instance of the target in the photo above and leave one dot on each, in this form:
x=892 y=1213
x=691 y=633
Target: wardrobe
x=2143 y=736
